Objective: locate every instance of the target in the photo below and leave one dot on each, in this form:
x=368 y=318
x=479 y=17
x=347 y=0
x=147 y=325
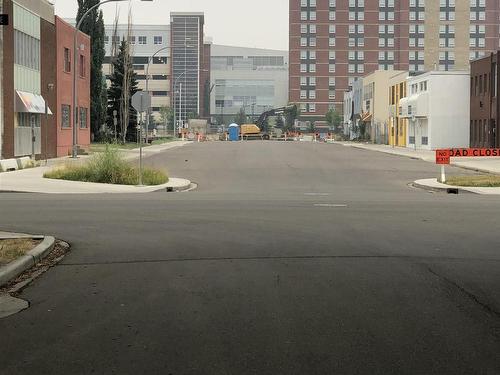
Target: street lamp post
x=175 y=85
x=75 y=67
x=147 y=86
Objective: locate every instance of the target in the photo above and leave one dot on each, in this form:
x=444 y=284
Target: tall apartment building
x=190 y=65
x=146 y=41
x=333 y=42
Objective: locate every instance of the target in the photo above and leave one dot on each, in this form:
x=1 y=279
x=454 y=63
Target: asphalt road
x=290 y=258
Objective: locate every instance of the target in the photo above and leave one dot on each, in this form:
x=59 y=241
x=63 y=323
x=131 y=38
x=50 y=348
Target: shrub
x=108 y=167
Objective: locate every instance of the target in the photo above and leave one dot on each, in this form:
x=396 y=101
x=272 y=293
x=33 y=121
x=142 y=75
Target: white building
x=250 y=78
x=145 y=41
x=438 y=109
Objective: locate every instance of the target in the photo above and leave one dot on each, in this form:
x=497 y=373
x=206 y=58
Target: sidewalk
x=32 y=180
x=485 y=165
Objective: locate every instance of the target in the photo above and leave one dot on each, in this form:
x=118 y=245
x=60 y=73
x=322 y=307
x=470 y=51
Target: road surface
x=290 y=258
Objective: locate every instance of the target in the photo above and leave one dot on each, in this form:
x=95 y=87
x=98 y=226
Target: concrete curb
x=18 y=266
x=434 y=185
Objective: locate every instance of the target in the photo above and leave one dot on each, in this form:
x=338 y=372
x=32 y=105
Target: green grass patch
x=101 y=147
x=108 y=167
x=162 y=140
x=474 y=181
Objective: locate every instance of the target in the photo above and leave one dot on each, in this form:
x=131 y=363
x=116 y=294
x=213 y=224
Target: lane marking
x=317 y=194
x=330 y=205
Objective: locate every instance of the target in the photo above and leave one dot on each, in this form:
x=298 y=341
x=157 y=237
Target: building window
x=158 y=40
x=67 y=60
x=83 y=118
x=132 y=39
x=65 y=116
x=143 y=40
x=81 y=66
x=27 y=119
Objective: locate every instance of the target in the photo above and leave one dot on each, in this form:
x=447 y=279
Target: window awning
x=28 y=102
x=367 y=116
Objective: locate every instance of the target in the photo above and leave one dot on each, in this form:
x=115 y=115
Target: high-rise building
x=190 y=65
x=332 y=42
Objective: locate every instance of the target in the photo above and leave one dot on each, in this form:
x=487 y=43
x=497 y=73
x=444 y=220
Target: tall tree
x=167 y=116
x=123 y=87
x=291 y=115
x=93 y=25
x=334 y=119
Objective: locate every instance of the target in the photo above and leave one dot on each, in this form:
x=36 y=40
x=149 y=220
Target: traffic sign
x=141 y=101
x=442 y=157
x=4 y=19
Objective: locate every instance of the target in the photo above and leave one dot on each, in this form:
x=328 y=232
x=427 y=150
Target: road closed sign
x=443 y=156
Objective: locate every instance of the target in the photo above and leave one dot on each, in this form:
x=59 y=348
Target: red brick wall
x=64 y=37
x=8 y=83
x=48 y=89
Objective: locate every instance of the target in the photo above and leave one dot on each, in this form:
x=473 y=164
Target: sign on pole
x=443 y=156
x=141 y=101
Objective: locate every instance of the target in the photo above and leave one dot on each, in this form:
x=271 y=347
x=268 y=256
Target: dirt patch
x=11 y=249
x=14 y=287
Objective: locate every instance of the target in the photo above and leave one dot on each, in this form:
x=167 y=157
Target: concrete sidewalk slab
x=32 y=181
x=485 y=165
x=434 y=185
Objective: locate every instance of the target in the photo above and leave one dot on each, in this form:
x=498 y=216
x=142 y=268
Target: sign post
x=141 y=101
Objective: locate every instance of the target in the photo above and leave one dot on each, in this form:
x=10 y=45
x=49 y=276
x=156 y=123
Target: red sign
x=443 y=156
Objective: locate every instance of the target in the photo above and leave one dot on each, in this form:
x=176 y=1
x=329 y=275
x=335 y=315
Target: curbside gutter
x=18 y=266
x=432 y=184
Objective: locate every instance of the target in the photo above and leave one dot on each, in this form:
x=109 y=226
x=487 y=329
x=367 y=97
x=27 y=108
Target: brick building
x=35 y=82
x=332 y=42
x=484 y=116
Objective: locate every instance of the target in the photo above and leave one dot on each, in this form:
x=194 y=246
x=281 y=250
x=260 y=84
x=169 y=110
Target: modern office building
x=485 y=113
x=190 y=65
x=334 y=41
x=252 y=79
x=145 y=41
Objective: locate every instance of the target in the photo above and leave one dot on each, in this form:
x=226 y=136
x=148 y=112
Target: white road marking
x=330 y=205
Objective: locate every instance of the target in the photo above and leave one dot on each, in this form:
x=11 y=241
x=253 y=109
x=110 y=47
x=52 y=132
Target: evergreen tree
x=93 y=25
x=115 y=91
x=291 y=115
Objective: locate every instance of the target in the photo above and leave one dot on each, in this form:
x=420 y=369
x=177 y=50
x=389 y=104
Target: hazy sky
x=247 y=23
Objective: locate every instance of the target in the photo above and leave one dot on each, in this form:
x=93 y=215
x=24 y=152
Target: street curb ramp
x=18 y=266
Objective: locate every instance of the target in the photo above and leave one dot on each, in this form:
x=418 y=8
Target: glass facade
x=186 y=36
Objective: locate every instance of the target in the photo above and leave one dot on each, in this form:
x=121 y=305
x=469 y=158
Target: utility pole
x=180 y=108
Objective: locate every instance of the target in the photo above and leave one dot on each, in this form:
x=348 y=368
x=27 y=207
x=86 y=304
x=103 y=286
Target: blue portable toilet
x=234 y=132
